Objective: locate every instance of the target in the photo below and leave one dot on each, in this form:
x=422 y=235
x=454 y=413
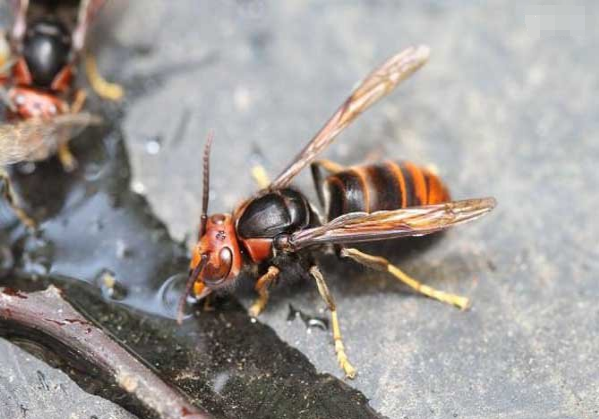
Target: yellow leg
x=261 y=287
x=79 y=101
x=260 y=176
x=5 y=56
x=12 y=200
x=382 y=264
x=67 y=160
x=323 y=290
x=103 y=88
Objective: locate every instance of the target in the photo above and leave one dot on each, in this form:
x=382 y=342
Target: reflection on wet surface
x=310 y=321
x=117 y=263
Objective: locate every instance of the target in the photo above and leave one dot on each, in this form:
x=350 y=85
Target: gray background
x=506 y=107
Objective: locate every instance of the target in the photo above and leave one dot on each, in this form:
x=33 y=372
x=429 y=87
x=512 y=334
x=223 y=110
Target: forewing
x=19 y=25
x=88 y=9
x=37 y=139
x=414 y=221
x=377 y=85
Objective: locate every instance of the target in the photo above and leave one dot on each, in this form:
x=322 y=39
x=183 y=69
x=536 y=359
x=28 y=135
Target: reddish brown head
x=216 y=259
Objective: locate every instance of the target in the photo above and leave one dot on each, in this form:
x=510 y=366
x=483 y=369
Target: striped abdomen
x=385 y=186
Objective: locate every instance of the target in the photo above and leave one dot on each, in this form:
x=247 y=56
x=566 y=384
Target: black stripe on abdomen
x=346 y=194
x=386 y=186
x=411 y=198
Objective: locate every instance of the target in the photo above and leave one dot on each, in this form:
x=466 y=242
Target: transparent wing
x=37 y=139
x=19 y=25
x=377 y=85
x=88 y=9
x=414 y=221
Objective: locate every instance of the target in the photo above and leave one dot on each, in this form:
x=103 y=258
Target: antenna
x=193 y=275
x=206 y=184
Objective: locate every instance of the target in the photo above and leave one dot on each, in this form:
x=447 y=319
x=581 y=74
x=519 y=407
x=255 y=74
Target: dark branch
x=47 y=312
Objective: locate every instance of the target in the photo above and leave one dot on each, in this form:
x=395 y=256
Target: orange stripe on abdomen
x=419 y=184
x=437 y=192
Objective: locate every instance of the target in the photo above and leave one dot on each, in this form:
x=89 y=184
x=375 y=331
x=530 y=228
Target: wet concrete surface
x=506 y=107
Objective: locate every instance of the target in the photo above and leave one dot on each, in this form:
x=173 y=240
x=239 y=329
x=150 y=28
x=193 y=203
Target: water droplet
x=170 y=292
x=310 y=321
x=153 y=146
x=138 y=187
x=319 y=323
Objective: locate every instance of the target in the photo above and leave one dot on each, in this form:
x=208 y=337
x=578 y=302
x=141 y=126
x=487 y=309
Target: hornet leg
x=5 y=55
x=260 y=176
x=12 y=200
x=68 y=161
x=104 y=89
x=323 y=290
x=382 y=264
x=79 y=101
x=261 y=287
x=258 y=171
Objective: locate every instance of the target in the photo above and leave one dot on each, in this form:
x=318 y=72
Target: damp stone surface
x=505 y=107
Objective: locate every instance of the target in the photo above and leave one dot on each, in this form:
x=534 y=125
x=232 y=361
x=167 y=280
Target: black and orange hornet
x=279 y=227
x=38 y=62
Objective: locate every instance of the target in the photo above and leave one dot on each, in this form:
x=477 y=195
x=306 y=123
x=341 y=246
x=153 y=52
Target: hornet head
x=216 y=259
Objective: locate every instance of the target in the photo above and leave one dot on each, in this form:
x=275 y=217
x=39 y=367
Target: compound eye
x=226 y=261
x=214 y=275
